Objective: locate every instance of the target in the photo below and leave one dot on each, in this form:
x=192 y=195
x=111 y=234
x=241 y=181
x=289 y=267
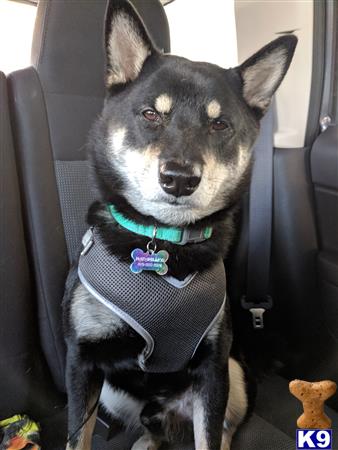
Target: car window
x=203 y=33
x=16 y=31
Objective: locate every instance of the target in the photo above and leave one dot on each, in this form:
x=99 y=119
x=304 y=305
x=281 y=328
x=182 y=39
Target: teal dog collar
x=179 y=236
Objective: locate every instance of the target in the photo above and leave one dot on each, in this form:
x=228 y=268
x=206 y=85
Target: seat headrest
x=67 y=48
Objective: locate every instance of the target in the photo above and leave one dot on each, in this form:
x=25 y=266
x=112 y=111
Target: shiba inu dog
x=171 y=158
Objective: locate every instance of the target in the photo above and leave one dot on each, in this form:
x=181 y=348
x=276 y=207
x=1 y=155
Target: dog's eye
x=219 y=125
x=151 y=115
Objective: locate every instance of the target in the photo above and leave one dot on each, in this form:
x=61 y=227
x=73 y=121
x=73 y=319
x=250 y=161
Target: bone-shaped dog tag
x=149 y=261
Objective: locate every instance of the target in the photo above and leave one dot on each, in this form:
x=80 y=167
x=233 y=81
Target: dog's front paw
x=226 y=441
x=146 y=442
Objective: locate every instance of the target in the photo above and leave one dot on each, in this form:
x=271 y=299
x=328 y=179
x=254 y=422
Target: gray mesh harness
x=172 y=316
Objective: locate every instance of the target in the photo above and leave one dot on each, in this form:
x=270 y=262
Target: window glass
x=203 y=31
x=258 y=22
x=16 y=32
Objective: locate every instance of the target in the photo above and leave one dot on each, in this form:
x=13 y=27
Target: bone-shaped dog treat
x=313 y=396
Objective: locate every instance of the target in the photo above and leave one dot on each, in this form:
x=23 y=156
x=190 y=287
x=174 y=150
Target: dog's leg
x=237 y=406
x=147 y=442
x=151 y=418
x=210 y=391
x=83 y=387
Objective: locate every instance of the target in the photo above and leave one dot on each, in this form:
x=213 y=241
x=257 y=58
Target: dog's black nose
x=178 y=179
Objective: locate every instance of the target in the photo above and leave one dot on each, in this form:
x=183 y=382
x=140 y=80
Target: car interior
x=284 y=263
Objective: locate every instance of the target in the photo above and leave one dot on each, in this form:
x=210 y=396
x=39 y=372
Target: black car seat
x=18 y=321
x=54 y=103
x=25 y=382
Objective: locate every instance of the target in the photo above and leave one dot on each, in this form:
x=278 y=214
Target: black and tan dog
x=171 y=153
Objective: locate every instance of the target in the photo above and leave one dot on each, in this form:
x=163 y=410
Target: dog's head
x=175 y=136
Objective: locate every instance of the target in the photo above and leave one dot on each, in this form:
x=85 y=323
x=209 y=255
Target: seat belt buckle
x=257 y=318
x=257 y=310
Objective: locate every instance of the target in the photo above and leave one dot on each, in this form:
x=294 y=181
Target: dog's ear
x=128 y=44
x=263 y=72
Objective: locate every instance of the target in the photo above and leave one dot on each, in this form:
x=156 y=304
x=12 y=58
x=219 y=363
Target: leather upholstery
x=42 y=211
x=54 y=104
x=16 y=311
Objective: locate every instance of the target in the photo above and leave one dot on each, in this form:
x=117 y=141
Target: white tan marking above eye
x=163 y=103
x=213 y=109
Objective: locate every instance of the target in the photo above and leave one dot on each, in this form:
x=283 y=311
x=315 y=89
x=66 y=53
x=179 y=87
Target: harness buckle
x=194 y=236
x=257 y=310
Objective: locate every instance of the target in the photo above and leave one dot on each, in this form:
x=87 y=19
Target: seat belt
x=257 y=299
